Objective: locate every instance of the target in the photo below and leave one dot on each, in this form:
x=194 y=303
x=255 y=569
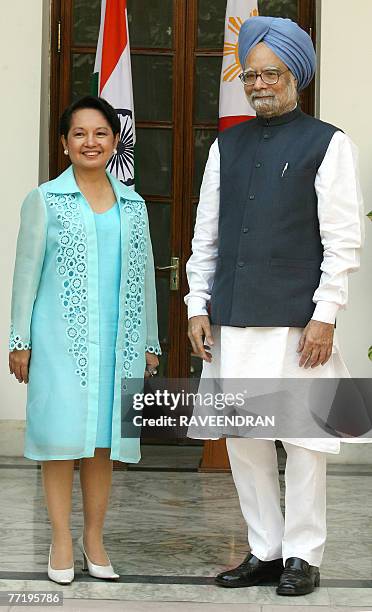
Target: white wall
x=20 y=77
x=344 y=100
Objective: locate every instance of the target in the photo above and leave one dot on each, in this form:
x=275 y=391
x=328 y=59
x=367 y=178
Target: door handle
x=174 y=277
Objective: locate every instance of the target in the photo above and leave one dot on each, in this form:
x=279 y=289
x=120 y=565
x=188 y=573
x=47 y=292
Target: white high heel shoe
x=62 y=576
x=106 y=572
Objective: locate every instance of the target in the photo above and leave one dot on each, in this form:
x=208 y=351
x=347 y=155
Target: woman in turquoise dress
x=83 y=325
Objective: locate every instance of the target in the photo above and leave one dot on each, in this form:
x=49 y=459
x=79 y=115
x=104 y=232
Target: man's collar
x=281 y=119
x=66 y=183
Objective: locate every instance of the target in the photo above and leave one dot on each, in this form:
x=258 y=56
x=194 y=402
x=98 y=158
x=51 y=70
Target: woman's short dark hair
x=99 y=104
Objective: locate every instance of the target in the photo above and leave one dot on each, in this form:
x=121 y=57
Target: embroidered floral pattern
x=150 y=348
x=134 y=298
x=71 y=263
x=16 y=342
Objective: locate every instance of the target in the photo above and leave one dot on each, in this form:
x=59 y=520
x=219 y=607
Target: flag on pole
x=234 y=107
x=112 y=80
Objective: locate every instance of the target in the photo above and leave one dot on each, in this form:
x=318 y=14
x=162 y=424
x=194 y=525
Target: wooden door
x=176 y=54
x=157 y=36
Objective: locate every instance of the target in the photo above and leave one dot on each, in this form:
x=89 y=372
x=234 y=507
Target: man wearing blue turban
x=278 y=229
x=286 y=39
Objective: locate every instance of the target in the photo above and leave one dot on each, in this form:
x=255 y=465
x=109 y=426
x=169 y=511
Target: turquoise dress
x=109 y=270
x=74 y=291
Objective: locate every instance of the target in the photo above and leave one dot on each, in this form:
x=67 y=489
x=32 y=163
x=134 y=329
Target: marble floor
x=170 y=529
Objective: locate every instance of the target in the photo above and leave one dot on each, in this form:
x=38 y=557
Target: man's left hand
x=316 y=344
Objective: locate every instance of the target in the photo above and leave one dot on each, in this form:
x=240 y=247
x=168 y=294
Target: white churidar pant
x=255 y=472
x=270 y=353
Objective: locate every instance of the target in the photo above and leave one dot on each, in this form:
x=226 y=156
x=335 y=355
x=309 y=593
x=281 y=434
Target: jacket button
x=241 y=264
x=266 y=136
x=245 y=230
x=258 y=165
x=252 y=197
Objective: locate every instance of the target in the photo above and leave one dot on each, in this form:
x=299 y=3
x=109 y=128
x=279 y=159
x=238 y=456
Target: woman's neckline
x=105 y=211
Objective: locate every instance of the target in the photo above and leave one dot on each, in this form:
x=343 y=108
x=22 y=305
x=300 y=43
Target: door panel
x=210 y=24
x=160 y=223
x=153 y=87
x=154 y=153
x=82 y=65
x=279 y=8
x=151 y=23
x=85 y=23
x=203 y=139
x=207 y=87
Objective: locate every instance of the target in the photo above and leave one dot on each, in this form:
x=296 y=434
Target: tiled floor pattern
x=168 y=532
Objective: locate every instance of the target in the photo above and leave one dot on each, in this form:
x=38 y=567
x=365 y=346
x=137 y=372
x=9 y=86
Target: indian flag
x=234 y=107
x=112 y=80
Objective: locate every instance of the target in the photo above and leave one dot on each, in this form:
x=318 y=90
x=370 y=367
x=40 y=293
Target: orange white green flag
x=112 y=80
x=234 y=107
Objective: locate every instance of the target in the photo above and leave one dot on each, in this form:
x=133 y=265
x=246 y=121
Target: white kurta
x=256 y=352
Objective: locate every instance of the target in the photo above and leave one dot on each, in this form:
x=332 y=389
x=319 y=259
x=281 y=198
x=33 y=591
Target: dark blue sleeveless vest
x=269 y=246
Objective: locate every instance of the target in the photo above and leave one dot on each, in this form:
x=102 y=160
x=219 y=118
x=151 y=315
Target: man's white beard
x=265 y=106
x=274 y=105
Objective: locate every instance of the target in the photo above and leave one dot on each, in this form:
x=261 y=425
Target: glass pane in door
x=153 y=161
x=207 y=89
x=211 y=23
x=150 y=23
x=160 y=227
x=202 y=143
x=85 y=19
x=279 y=8
x=152 y=87
x=82 y=66
x=162 y=292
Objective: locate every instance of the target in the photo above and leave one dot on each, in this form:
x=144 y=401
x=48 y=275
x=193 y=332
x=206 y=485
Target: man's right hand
x=200 y=328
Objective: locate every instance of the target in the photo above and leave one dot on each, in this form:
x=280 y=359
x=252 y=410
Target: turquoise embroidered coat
x=55 y=313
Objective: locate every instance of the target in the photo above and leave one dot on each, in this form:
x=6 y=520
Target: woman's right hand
x=19 y=363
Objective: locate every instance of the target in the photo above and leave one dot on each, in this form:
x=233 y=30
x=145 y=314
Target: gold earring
x=66 y=151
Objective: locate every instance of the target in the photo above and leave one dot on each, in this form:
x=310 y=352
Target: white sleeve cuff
x=326 y=312
x=196 y=306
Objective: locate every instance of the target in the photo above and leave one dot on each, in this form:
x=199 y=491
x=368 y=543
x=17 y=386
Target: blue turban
x=288 y=41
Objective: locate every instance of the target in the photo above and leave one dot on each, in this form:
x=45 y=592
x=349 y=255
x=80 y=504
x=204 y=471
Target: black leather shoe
x=298 y=578
x=252 y=571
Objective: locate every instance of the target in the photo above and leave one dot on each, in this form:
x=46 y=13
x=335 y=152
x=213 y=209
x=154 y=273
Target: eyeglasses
x=270 y=77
